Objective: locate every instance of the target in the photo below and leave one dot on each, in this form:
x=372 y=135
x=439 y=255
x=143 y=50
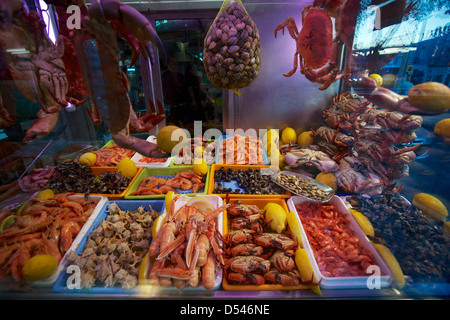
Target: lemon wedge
x=159 y=221
x=39 y=267
x=7 y=222
x=47 y=193
x=276 y=215
x=294 y=227
x=201 y=204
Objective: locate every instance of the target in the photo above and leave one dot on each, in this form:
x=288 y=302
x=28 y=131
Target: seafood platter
x=186 y=253
x=155 y=183
x=259 y=258
x=341 y=255
x=244 y=181
x=111 y=250
x=242 y=150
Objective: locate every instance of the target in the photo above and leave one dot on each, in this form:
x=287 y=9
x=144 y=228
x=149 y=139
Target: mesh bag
x=232 y=49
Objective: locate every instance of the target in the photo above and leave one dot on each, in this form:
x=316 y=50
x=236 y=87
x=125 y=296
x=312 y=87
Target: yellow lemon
x=305 y=138
x=143 y=270
x=127 y=167
x=431 y=206
x=88 y=159
x=304 y=267
x=276 y=215
x=201 y=204
x=168 y=199
x=200 y=167
x=392 y=263
x=47 y=193
x=159 y=221
x=327 y=178
x=271 y=135
x=20 y=209
x=7 y=222
x=442 y=128
x=294 y=226
x=273 y=152
x=39 y=267
x=363 y=222
x=430 y=96
x=199 y=152
x=378 y=79
x=288 y=136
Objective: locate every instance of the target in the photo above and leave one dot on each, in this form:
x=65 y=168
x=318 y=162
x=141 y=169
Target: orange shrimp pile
x=337 y=251
x=241 y=150
x=185 y=180
x=111 y=156
x=46 y=226
x=152 y=160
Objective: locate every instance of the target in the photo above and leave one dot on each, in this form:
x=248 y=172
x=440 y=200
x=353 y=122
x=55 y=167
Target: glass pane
x=188 y=94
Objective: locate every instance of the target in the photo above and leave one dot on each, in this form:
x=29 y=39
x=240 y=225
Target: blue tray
x=266 y=160
x=60 y=284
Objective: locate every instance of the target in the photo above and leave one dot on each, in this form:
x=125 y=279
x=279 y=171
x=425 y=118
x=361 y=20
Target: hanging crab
x=32 y=64
x=320 y=55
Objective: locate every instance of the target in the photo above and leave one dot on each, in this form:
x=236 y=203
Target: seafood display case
x=227 y=149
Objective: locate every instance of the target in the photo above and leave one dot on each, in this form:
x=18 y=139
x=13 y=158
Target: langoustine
x=187 y=248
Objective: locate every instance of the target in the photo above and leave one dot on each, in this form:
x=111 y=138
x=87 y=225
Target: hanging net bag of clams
x=232 y=48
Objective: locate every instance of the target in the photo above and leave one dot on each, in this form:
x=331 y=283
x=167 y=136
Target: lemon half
x=201 y=204
x=39 y=267
x=47 y=193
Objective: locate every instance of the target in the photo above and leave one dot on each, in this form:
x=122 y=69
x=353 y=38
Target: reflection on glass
x=188 y=94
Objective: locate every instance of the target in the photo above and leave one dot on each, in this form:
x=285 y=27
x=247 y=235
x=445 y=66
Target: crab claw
x=127 y=18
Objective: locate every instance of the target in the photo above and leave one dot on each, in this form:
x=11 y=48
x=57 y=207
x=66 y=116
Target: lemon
x=200 y=167
x=442 y=128
x=143 y=269
x=378 y=79
x=168 y=199
x=199 y=152
x=39 y=267
x=430 y=96
x=281 y=162
x=276 y=215
x=305 y=138
x=20 y=209
x=47 y=193
x=271 y=135
x=304 y=267
x=159 y=221
x=392 y=263
x=294 y=226
x=431 y=206
x=201 y=204
x=288 y=136
x=7 y=222
x=327 y=178
x=88 y=159
x=363 y=222
x=127 y=167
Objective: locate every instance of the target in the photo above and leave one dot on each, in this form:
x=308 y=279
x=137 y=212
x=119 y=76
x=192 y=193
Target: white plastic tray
x=100 y=201
x=342 y=282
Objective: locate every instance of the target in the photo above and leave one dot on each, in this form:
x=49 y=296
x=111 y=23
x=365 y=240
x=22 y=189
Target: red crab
x=318 y=52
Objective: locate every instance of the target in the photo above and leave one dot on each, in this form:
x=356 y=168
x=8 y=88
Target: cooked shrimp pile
x=185 y=181
x=241 y=150
x=45 y=226
x=114 y=251
x=111 y=156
